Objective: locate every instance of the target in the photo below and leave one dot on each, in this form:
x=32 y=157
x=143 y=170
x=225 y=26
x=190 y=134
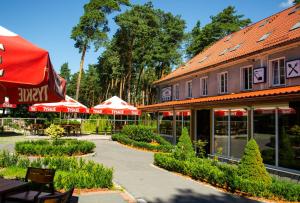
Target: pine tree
x=184 y=149
x=251 y=166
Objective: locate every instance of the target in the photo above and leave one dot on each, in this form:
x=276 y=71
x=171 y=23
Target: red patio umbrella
x=7 y=104
x=115 y=106
x=68 y=105
x=26 y=72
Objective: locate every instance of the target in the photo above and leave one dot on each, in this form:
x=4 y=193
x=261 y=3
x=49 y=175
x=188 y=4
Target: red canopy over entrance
x=68 y=105
x=115 y=106
x=26 y=72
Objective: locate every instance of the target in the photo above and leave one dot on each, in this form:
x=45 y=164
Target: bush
x=55 y=131
x=251 y=166
x=227 y=176
x=163 y=145
x=286 y=190
x=56 y=147
x=69 y=171
x=184 y=149
x=139 y=133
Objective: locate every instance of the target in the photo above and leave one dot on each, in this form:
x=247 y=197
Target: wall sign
x=166 y=94
x=259 y=75
x=293 y=69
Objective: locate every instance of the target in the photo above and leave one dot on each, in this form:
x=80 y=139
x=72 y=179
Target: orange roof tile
x=253 y=94
x=245 y=42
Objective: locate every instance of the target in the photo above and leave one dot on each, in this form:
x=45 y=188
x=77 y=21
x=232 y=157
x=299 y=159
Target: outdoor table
x=69 y=127
x=7 y=186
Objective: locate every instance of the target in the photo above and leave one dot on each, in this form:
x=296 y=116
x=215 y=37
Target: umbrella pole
x=114 y=123
x=60 y=117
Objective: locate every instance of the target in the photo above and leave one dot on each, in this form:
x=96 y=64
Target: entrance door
x=203 y=127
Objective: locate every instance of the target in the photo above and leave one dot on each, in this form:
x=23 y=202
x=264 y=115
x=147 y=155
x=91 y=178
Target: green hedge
x=226 y=176
x=69 y=171
x=54 y=147
x=164 y=146
x=139 y=133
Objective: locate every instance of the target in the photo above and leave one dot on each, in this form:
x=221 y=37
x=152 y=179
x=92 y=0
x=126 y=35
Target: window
x=235 y=47
x=247 y=78
x=223 y=79
x=176 y=92
x=265 y=36
x=278 y=73
x=203 y=86
x=296 y=26
x=189 y=89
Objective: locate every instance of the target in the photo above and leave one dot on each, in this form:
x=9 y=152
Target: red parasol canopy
x=6 y=104
x=26 y=72
x=68 y=105
x=115 y=106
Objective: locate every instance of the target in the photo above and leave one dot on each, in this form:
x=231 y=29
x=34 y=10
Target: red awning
x=115 y=106
x=26 y=72
x=68 y=105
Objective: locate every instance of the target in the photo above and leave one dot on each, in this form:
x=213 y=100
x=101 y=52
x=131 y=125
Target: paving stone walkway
x=134 y=171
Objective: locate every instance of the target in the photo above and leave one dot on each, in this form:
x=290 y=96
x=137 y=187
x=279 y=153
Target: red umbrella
x=7 y=104
x=26 y=72
x=68 y=105
x=115 y=106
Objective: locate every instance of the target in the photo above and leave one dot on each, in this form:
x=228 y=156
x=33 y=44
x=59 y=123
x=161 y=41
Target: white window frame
x=219 y=83
x=187 y=89
x=242 y=78
x=271 y=72
x=175 y=91
x=201 y=86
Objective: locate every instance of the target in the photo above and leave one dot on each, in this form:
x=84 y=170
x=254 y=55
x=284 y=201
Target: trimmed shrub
x=251 y=166
x=56 y=147
x=285 y=190
x=184 y=149
x=226 y=176
x=69 y=171
x=163 y=145
x=139 y=133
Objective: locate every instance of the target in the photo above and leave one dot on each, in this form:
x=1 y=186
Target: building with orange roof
x=246 y=85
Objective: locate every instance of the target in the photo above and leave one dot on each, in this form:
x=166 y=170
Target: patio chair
x=40 y=184
x=56 y=198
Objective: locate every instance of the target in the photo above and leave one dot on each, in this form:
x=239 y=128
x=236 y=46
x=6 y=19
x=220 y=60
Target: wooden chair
x=41 y=184
x=56 y=198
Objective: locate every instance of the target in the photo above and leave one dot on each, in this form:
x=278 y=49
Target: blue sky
x=48 y=23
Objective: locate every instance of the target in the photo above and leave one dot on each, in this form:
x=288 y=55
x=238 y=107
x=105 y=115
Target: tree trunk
x=120 y=90
x=80 y=72
x=107 y=90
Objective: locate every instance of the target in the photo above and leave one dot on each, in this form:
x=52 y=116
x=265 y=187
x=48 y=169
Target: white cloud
x=286 y=3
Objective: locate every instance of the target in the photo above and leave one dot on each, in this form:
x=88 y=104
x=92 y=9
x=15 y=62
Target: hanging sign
x=293 y=69
x=259 y=75
x=166 y=94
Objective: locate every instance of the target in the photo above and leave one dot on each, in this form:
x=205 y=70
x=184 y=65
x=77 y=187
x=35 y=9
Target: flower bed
x=70 y=172
x=58 y=147
x=142 y=137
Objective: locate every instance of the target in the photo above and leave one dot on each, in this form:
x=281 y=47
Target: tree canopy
x=93 y=27
x=224 y=23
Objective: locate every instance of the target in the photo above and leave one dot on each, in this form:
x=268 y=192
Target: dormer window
x=264 y=37
x=228 y=38
x=264 y=23
x=203 y=59
x=235 y=47
x=296 y=26
x=294 y=10
x=223 y=52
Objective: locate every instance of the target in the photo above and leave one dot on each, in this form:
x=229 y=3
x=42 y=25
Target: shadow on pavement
x=189 y=196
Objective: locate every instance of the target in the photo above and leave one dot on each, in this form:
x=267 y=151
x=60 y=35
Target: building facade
x=246 y=85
